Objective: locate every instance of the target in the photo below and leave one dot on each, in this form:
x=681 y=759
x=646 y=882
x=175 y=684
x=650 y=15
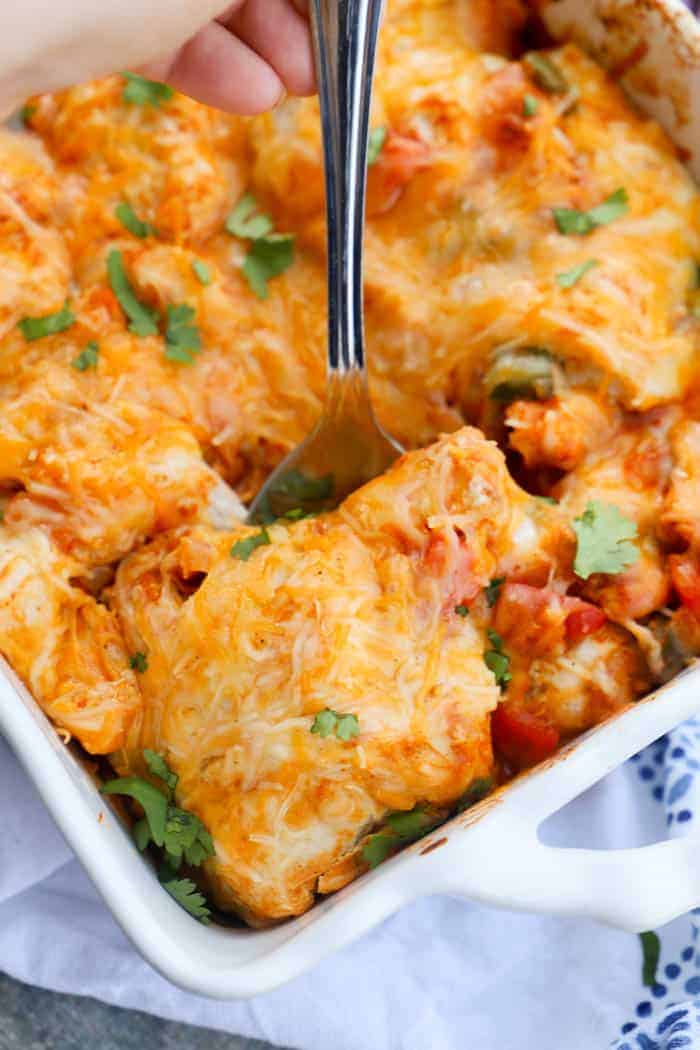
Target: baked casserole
x=307 y=696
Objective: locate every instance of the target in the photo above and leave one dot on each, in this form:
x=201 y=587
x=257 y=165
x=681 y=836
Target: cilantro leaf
x=651 y=951
x=410 y=824
x=375 y=144
x=201 y=271
x=530 y=105
x=267 y=257
x=188 y=897
x=493 y=589
x=613 y=207
x=495 y=639
x=247 y=221
x=242 y=549
x=327 y=722
x=573 y=221
x=182 y=338
x=50 y=324
x=498 y=663
x=477 y=790
x=154 y=802
x=603 y=537
x=324 y=722
x=378 y=847
x=569 y=278
x=87 y=358
x=141 y=92
x=139 y=662
x=160 y=768
x=142 y=834
x=462 y=610
x=131 y=222
x=347 y=727
x=496 y=660
x=186 y=837
x=545 y=73
x=403 y=826
x=302 y=487
x=143 y=320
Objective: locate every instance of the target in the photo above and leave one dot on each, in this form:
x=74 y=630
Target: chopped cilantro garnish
x=569 y=278
x=328 y=722
x=50 y=324
x=462 y=610
x=651 y=951
x=545 y=73
x=496 y=660
x=160 y=768
x=530 y=105
x=403 y=826
x=143 y=320
x=87 y=358
x=573 y=221
x=603 y=537
x=411 y=824
x=269 y=254
x=302 y=487
x=477 y=790
x=242 y=549
x=26 y=113
x=267 y=257
x=186 y=838
x=178 y=832
x=375 y=144
x=141 y=92
x=131 y=222
x=188 y=897
x=493 y=589
x=378 y=847
x=153 y=801
x=247 y=221
x=201 y=271
x=139 y=662
x=182 y=338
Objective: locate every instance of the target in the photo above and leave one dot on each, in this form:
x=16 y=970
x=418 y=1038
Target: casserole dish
x=230 y=963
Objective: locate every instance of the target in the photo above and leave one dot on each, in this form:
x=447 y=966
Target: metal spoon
x=347 y=447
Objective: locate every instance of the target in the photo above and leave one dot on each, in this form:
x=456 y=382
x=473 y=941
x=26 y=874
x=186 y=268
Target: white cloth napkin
x=442 y=974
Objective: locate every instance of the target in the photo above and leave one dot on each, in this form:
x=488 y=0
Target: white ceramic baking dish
x=491 y=853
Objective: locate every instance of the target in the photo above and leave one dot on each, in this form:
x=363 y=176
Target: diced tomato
x=521 y=737
x=685 y=574
x=400 y=159
x=453 y=565
x=538 y=620
x=584 y=619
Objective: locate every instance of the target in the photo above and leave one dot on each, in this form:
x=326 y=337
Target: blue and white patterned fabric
x=667 y=1016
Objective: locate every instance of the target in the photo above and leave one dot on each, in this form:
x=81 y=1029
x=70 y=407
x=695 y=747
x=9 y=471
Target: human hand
x=238 y=56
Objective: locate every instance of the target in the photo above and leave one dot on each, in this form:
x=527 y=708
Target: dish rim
x=612 y=886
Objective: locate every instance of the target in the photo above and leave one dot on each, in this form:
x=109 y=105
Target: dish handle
x=633 y=889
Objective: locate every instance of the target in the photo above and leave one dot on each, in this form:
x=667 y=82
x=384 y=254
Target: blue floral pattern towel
x=667 y=1015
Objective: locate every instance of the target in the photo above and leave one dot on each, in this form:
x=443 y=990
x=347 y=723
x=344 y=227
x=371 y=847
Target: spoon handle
x=345 y=39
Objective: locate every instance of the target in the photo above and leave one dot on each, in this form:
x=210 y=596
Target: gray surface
x=31 y=1019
